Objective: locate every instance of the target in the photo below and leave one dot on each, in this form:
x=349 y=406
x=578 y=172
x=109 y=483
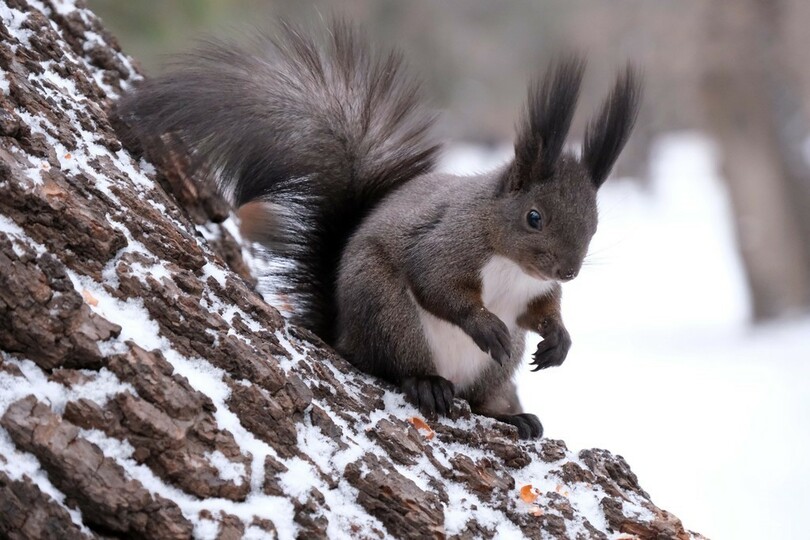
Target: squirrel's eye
x=534 y=219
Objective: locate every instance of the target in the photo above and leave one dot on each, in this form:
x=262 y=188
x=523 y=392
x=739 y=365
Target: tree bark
x=147 y=390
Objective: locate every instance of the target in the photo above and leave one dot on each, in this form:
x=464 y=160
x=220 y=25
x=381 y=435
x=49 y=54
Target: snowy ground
x=711 y=413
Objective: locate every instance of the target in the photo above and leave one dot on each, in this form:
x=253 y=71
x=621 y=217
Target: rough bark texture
x=147 y=390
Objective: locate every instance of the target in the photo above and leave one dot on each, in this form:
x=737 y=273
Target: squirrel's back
x=315 y=130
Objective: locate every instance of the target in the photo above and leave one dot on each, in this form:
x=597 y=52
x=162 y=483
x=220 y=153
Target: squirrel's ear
x=546 y=120
x=607 y=134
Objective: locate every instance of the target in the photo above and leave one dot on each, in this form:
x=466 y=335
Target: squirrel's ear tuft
x=546 y=120
x=607 y=134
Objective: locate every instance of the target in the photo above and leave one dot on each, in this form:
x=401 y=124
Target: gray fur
x=332 y=143
x=319 y=125
x=426 y=245
x=390 y=265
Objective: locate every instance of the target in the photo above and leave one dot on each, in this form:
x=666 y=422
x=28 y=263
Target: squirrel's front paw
x=491 y=335
x=431 y=394
x=554 y=347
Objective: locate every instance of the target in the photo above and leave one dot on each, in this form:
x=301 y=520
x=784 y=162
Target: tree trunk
x=748 y=102
x=147 y=390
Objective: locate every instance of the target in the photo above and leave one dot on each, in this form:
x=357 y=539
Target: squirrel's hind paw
x=528 y=425
x=432 y=394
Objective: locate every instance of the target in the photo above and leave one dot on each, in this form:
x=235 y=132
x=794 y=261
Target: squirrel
x=428 y=280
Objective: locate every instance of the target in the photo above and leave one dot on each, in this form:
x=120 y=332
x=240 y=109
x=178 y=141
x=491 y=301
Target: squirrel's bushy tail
x=319 y=130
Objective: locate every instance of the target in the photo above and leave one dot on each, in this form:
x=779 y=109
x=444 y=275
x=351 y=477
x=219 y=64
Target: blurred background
x=691 y=319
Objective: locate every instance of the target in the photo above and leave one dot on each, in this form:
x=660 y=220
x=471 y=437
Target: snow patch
x=230 y=471
x=212 y=270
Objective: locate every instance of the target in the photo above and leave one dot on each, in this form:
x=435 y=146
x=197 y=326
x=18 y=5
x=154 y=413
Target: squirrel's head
x=548 y=197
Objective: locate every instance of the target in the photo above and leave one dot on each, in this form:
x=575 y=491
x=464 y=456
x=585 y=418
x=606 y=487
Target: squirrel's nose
x=567 y=274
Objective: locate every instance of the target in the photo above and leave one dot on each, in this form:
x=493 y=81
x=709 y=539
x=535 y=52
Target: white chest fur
x=506 y=291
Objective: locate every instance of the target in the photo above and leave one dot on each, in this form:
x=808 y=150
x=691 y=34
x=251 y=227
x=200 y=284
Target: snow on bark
x=146 y=389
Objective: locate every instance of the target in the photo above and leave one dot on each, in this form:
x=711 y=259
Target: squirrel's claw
x=432 y=394
x=553 y=350
x=492 y=336
x=500 y=356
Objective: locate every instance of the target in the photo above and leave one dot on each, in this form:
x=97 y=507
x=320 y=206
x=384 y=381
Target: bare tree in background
x=754 y=116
